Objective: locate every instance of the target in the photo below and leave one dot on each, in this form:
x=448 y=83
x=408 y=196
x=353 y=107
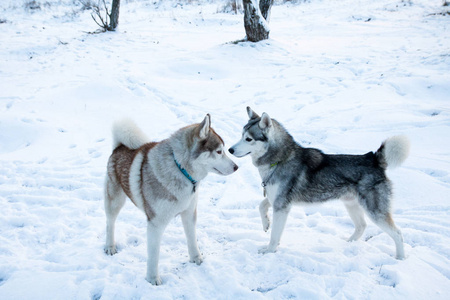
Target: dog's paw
x=400 y=256
x=265 y=223
x=267 y=249
x=155 y=280
x=351 y=239
x=110 y=250
x=198 y=259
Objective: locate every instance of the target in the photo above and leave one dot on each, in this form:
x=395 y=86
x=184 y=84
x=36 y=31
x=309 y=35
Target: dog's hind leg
x=386 y=223
x=154 y=234
x=376 y=202
x=357 y=215
x=114 y=201
x=263 y=210
x=382 y=217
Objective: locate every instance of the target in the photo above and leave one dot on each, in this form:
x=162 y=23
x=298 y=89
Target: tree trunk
x=256 y=26
x=265 y=6
x=114 y=17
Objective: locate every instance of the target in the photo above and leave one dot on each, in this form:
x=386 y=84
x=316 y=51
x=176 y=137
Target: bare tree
x=255 y=23
x=114 y=17
x=265 y=6
x=110 y=21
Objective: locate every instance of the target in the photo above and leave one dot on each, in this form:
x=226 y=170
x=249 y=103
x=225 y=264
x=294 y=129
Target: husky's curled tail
x=125 y=132
x=393 y=152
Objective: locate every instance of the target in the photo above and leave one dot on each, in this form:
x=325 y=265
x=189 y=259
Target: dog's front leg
x=154 y=234
x=189 y=219
x=279 y=221
x=263 y=210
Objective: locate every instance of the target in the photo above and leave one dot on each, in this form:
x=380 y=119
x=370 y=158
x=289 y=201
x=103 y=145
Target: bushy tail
x=125 y=132
x=393 y=151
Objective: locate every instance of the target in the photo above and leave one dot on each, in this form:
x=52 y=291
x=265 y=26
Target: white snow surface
x=341 y=76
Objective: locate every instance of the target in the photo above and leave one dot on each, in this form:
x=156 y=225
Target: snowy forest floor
x=341 y=76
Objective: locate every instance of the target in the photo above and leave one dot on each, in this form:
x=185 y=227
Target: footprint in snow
x=435 y=173
x=42 y=160
x=26 y=120
x=388 y=277
x=322 y=249
x=94 y=153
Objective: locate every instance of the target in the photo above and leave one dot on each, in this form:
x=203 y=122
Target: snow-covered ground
x=340 y=75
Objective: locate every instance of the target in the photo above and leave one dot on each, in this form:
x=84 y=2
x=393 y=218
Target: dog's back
x=128 y=142
x=330 y=176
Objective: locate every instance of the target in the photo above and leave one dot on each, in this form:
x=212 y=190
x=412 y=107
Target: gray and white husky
x=161 y=179
x=292 y=174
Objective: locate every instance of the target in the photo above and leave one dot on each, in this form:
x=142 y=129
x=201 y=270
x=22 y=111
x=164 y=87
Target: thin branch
x=106 y=9
x=96 y=11
x=102 y=26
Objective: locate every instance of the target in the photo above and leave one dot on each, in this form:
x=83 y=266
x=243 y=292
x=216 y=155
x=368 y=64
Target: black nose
x=231 y=150
x=235 y=168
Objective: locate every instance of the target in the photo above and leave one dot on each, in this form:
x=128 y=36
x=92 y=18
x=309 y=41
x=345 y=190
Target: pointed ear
x=265 y=122
x=204 y=127
x=251 y=113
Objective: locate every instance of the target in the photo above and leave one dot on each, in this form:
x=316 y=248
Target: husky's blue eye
x=248 y=139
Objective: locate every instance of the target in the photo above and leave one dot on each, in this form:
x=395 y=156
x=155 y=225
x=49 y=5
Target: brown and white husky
x=162 y=179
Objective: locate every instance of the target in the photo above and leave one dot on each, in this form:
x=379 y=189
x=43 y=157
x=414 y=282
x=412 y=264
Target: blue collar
x=185 y=173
